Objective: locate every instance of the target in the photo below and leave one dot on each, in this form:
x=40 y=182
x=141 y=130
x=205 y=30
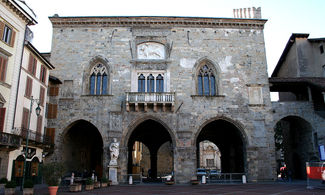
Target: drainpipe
x=21 y=65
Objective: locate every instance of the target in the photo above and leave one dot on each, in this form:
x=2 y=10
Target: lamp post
x=38 y=111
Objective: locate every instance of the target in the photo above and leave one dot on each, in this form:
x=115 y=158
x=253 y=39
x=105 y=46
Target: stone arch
x=215 y=70
x=82 y=148
x=72 y=121
x=294 y=141
x=140 y=131
x=133 y=125
x=87 y=71
x=232 y=143
x=237 y=124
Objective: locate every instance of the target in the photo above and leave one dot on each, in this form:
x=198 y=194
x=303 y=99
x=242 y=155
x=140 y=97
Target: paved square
x=249 y=189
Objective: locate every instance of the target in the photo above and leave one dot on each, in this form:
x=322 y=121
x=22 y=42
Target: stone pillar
x=252 y=164
x=184 y=164
x=123 y=162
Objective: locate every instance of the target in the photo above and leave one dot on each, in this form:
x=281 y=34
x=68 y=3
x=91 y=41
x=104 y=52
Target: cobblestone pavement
x=229 y=189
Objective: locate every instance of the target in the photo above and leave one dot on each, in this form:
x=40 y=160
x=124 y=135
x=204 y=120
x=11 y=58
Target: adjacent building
x=15 y=16
x=32 y=94
x=300 y=112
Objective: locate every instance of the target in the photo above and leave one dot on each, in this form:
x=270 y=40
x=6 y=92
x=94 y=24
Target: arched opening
x=83 y=149
x=18 y=169
x=150 y=151
x=230 y=143
x=210 y=156
x=294 y=145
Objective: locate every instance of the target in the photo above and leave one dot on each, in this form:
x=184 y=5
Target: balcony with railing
x=35 y=138
x=9 y=141
x=138 y=101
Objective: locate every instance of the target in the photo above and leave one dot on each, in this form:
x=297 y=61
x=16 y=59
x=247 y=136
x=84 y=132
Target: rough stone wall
x=237 y=54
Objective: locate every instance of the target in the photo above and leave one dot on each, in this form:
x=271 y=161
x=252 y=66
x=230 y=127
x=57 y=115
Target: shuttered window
x=54 y=91
x=50 y=132
x=32 y=64
x=42 y=95
x=24 y=123
x=3 y=68
x=7 y=34
x=29 y=86
x=2 y=118
x=52 y=111
x=43 y=74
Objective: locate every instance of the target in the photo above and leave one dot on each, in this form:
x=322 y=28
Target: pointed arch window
x=150 y=83
x=206 y=81
x=141 y=83
x=98 y=80
x=160 y=83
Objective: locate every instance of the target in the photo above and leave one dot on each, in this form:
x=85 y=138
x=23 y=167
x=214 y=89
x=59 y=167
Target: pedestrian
x=283 y=172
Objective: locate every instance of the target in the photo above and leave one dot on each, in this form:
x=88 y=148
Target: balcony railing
x=32 y=136
x=135 y=100
x=137 y=97
x=10 y=140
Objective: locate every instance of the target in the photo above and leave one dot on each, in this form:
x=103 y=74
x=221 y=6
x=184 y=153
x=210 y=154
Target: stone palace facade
x=158 y=80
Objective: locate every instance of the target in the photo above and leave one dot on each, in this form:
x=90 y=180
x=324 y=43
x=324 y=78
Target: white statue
x=114 y=149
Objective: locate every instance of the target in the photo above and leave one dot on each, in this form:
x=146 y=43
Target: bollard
x=72 y=178
x=130 y=180
x=93 y=176
x=244 y=178
x=203 y=179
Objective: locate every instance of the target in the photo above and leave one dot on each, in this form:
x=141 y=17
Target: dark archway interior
x=83 y=149
x=297 y=145
x=228 y=139
x=153 y=135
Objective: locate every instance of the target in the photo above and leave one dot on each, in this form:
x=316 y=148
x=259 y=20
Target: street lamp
x=38 y=111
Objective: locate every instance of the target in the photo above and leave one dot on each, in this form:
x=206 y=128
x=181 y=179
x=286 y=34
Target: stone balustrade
x=154 y=98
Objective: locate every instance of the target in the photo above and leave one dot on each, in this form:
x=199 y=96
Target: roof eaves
x=31 y=19
x=286 y=50
x=36 y=52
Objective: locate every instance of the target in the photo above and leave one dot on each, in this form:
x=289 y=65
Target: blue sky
x=284 y=16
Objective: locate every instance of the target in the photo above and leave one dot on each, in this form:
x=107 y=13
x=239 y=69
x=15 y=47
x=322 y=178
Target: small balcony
x=138 y=101
x=9 y=141
x=35 y=138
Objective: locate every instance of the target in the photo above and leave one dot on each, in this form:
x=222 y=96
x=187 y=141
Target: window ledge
x=5 y=84
x=149 y=61
x=207 y=96
x=89 y=95
x=256 y=105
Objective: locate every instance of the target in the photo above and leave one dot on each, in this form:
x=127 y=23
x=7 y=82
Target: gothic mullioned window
x=150 y=82
x=98 y=80
x=206 y=81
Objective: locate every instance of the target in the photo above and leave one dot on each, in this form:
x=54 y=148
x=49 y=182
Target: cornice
x=157 y=22
x=20 y=12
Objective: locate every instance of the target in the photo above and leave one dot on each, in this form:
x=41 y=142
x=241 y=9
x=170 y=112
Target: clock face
x=151 y=50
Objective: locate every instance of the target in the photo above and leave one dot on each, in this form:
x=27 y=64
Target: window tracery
x=206 y=81
x=98 y=80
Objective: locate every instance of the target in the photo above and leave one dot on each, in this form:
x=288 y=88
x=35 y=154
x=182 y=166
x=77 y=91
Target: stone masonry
x=235 y=48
